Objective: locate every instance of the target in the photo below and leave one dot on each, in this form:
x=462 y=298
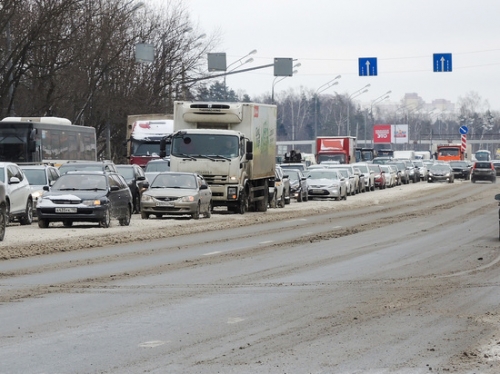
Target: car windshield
x=174 y=181
x=363 y=168
x=157 y=166
x=483 y=165
x=77 y=167
x=80 y=182
x=293 y=175
x=374 y=168
x=440 y=167
x=458 y=164
x=36 y=177
x=323 y=174
x=126 y=172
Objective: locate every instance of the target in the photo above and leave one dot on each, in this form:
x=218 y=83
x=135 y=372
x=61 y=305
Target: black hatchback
x=483 y=171
x=86 y=197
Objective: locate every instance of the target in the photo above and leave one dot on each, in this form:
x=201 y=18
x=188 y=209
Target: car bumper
x=82 y=213
x=439 y=178
x=323 y=193
x=169 y=208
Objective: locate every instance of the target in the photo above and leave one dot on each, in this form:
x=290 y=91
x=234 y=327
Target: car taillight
x=492 y=167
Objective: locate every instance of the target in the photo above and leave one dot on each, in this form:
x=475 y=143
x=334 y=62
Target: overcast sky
x=328 y=37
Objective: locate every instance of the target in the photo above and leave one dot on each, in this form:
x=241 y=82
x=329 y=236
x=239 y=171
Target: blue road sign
x=367 y=66
x=464 y=130
x=442 y=62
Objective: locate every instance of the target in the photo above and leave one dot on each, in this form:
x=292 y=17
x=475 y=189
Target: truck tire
x=261 y=205
x=242 y=208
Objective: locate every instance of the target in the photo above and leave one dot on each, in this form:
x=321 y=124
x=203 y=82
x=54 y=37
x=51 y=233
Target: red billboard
x=382 y=134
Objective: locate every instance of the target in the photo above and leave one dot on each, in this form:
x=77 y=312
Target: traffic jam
x=179 y=170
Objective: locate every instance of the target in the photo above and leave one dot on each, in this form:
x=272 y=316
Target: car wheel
x=282 y=202
x=196 y=214
x=43 y=223
x=3 y=223
x=137 y=204
x=273 y=203
x=144 y=215
x=125 y=220
x=106 y=220
x=67 y=223
x=473 y=180
x=27 y=218
x=208 y=213
x=7 y=212
x=299 y=197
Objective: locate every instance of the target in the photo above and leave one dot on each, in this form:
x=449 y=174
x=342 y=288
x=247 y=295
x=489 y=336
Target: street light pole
x=320 y=89
x=281 y=78
x=374 y=102
x=353 y=95
x=252 y=52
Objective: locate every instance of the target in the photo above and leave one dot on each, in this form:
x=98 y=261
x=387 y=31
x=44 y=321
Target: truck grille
x=209 y=106
x=215 y=179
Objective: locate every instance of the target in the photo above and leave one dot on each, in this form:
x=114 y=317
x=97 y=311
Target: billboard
x=382 y=134
x=388 y=134
x=399 y=134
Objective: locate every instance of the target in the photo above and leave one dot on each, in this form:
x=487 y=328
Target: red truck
x=450 y=152
x=336 y=148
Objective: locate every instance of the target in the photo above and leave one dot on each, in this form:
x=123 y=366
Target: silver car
x=326 y=183
x=173 y=193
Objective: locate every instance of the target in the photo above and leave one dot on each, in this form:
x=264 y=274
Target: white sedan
x=326 y=183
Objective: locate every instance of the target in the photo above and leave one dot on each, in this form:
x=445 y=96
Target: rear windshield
x=483 y=165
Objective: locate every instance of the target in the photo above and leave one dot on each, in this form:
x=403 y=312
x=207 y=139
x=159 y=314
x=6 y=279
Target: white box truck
x=233 y=145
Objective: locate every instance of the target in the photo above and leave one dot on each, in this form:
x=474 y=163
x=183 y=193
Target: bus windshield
x=14 y=143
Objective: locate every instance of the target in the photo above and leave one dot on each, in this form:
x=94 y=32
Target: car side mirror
x=46 y=188
x=114 y=188
x=203 y=187
x=145 y=184
x=14 y=180
x=141 y=178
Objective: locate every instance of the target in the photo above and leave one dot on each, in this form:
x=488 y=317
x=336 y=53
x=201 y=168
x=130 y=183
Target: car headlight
x=431 y=173
x=335 y=185
x=146 y=198
x=37 y=195
x=187 y=199
x=91 y=202
x=447 y=174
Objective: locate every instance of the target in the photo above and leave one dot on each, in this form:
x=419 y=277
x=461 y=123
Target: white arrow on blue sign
x=464 y=130
x=442 y=62
x=367 y=66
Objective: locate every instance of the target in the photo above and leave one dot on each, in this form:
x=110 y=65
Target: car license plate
x=317 y=191
x=66 y=210
x=164 y=203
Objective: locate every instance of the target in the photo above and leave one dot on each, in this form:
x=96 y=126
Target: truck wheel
x=242 y=208
x=261 y=205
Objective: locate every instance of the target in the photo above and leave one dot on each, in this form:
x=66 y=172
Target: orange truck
x=336 y=148
x=450 y=152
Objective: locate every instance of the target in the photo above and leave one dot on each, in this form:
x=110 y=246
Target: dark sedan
x=298 y=185
x=496 y=165
x=86 y=197
x=136 y=180
x=461 y=169
x=440 y=173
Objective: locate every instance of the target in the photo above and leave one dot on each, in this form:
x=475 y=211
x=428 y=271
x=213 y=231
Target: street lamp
x=320 y=89
x=276 y=80
x=252 y=52
x=373 y=103
x=353 y=95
